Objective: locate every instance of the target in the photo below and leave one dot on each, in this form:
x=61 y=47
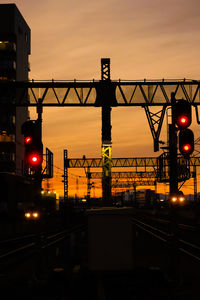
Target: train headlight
x=35 y=215
x=174 y=199
x=27 y=215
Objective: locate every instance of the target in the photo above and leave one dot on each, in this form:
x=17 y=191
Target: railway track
x=29 y=243
x=186 y=236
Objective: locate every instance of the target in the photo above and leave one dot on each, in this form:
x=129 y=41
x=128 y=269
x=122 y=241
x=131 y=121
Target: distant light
x=174 y=199
x=35 y=215
x=42 y=192
x=161 y=200
x=84 y=200
x=181 y=199
x=49 y=192
x=27 y=215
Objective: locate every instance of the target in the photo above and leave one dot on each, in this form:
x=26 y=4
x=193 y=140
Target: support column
x=173 y=172
x=106 y=138
x=38 y=173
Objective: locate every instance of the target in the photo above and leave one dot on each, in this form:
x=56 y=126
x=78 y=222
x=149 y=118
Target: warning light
x=28 y=140
x=183 y=121
x=186 y=142
x=35 y=160
x=187 y=147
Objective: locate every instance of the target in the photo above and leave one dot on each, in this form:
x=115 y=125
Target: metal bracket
x=155 y=119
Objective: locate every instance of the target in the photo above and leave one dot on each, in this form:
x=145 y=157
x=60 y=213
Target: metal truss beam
x=116 y=162
x=127 y=175
x=137 y=162
x=133 y=184
x=97 y=93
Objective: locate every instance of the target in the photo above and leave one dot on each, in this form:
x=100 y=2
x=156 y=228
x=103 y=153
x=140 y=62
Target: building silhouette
x=14 y=66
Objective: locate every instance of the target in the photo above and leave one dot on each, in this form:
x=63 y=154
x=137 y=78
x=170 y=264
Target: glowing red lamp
x=35 y=159
x=183 y=121
x=187 y=147
x=28 y=140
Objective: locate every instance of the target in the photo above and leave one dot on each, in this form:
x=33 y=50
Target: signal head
x=186 y=142
x=183 y=114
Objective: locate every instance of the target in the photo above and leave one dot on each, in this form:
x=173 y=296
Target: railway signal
x=186 y=142
x=183 y=119
x=183 y=114
x=33 y=145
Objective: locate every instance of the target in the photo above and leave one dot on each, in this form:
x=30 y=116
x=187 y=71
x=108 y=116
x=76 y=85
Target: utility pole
x=88 y=173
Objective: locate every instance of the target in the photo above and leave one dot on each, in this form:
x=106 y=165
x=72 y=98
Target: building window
x=3 y=78
x=4 y=137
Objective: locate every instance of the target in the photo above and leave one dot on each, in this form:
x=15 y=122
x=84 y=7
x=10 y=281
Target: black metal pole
x=173 y=174
x=38 y=173
x=106 y=137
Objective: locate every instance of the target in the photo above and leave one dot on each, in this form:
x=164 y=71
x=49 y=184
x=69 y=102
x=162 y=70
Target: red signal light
x=28 y=140
x=183 y=121
x=35 y=159
x=187 y=147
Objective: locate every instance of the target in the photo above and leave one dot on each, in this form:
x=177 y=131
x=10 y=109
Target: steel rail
x=149 y=229
x=53 y=239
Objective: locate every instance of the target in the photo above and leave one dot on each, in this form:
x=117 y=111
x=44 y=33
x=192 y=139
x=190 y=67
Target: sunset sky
x=149 y=39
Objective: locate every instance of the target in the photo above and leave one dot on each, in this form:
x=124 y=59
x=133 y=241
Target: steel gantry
x=104 y=93
x=126 y=175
